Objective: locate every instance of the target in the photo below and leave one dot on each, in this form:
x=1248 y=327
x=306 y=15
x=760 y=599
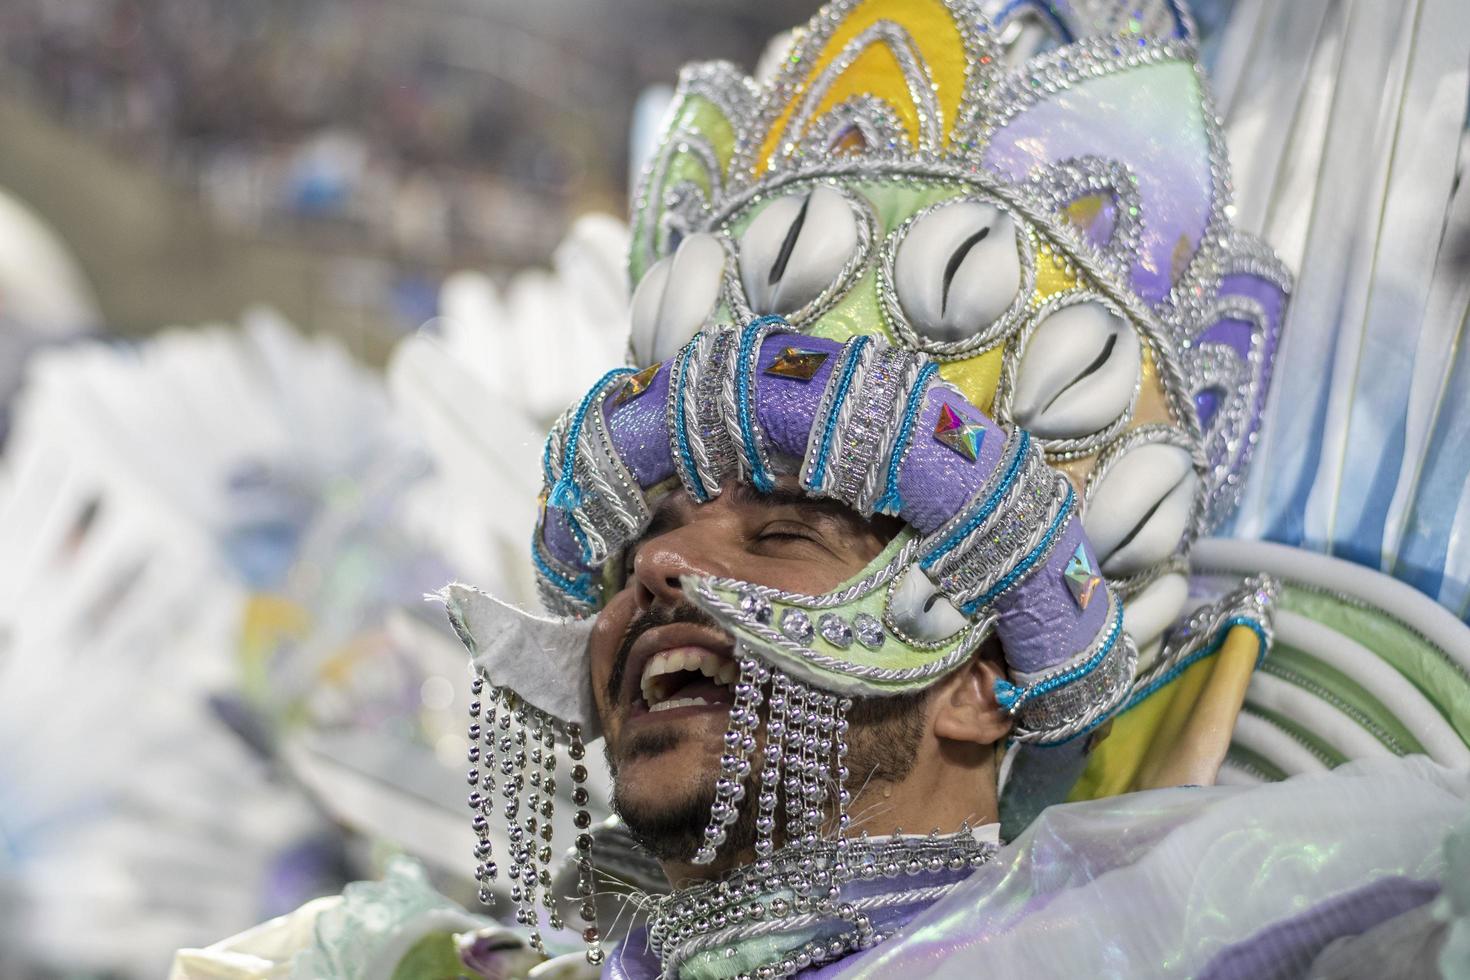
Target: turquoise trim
x=849 y=367
x=1183 y=665
x=991 y=502
x=579 y=588
x=891 y=503
x=1050 y=684
x=565 y=494
x=1024 y=566
x=761 y=479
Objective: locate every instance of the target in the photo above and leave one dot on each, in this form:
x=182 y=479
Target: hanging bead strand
x=586 y=882
x=734 y=763
x=482 y=781
x=548 y=812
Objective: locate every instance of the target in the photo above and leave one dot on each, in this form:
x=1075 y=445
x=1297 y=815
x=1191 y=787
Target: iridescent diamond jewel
x=963 y=437
x=635 y=385
x=755 y=606
x=797 y=626
x=1082 y=578
x=798 y=363
x=869 y=630
x=835 y=630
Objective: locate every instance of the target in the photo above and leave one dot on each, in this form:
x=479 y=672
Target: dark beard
x=675 y=833
x=883 y=743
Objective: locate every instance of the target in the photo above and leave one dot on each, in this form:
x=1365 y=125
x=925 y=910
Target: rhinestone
x=797 y=626
x=1081 y=577
x=635 y=385
x=869 y=630
x=963 y=437
x=798 y=363
x=835 y=630
x=755 y=606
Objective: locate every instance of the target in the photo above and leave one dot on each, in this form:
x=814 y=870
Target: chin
x=663 y=793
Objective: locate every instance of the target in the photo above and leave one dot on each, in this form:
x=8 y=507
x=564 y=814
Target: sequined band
x=834 y=412
x=613 y=511
x=891 y=502
x=738 y=397
x=998 y=535
x=684 y=427
x=871 y=434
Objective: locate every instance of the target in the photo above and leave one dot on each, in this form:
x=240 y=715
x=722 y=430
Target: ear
x=966 y=709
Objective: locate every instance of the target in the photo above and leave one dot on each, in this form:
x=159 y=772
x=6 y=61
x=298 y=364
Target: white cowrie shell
x=795 y=249
x=675 y=298
x=1151 y=611
x=1139 y=510
x=1147 y=657
x=920 y=611
x=1077 y=374
x=957 y=270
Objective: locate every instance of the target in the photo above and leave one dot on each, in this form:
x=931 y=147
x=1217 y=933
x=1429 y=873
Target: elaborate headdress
x=840 y=271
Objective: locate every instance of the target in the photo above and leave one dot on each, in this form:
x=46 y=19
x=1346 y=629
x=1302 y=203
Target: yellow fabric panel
x=1052 y=276
x=1179 y=733
x=976 y=377
x=935 y=35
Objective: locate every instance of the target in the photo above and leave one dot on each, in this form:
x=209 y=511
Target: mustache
x=655 y=617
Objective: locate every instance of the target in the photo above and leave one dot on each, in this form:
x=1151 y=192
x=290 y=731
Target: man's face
x=662 y=672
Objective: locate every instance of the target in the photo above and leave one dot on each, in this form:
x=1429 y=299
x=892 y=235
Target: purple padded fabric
x=935 y=481
x=786 y=406
x=558 y=538
x=1039 y=618
x=640 y=431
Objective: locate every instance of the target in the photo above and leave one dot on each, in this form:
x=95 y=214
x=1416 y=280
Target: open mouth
x=687 y=677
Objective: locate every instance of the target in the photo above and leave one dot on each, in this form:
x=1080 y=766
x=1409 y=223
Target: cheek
x=602 y=646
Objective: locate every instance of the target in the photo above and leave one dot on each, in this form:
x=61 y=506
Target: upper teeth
x=720 y=669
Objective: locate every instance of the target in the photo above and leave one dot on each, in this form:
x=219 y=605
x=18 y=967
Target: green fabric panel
x=1434 y=674
x=702 y=117
x=895 y=654
x=1329 y=756
x=1286 y=661
x=699 y=117
x=433 y=957
x=1251 y=762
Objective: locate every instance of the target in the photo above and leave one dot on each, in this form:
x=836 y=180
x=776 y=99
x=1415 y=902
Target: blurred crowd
x=348 y=117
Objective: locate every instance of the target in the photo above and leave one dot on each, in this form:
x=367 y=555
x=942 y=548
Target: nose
x=687 y=550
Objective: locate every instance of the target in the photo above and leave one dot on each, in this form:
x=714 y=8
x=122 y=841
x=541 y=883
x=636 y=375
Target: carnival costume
x=836 y=269
x=929 y=272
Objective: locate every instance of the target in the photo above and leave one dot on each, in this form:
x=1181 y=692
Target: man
x=813 y=590
x=848 y=636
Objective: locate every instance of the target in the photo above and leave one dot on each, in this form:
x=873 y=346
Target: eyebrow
x=666 y=515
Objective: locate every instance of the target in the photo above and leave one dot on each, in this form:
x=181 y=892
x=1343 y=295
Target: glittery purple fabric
x=640 y=430
x=1235 y=333
x=787 y=407
x=1039 y=619
x=935 y=481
